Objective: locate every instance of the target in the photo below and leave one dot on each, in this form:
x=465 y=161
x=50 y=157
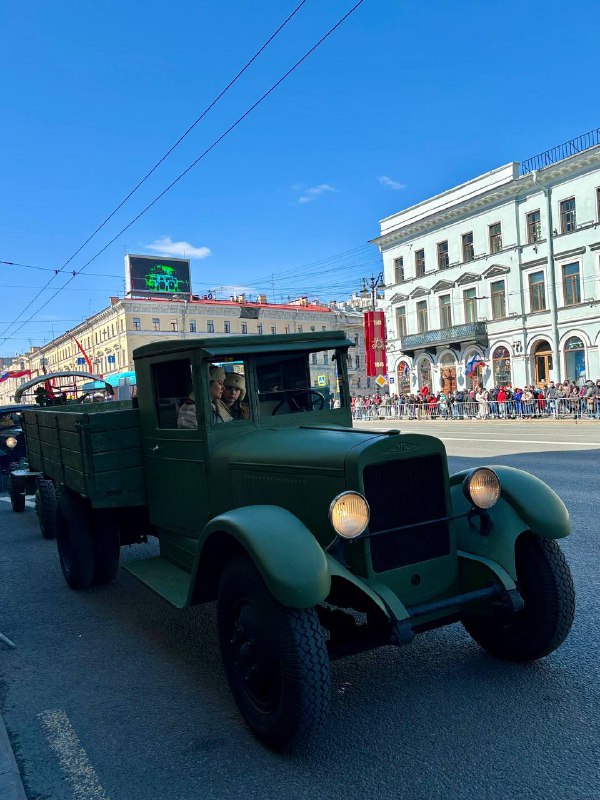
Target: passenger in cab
x=234 y=391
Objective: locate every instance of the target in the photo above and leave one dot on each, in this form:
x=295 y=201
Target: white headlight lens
x=11 y=442
x=349 y=514
x=482 y=487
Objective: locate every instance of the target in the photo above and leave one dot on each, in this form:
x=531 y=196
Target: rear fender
x=526 y=504
x=290 y=560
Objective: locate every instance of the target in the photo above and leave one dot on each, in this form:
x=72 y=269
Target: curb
x=11 y=786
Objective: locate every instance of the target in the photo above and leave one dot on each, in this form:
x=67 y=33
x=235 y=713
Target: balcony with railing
x=471 y=332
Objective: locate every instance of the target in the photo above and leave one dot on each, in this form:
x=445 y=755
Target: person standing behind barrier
x=551 y=397
x=501 y=398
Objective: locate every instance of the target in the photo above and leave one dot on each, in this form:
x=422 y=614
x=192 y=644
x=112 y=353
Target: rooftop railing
x=570 y=148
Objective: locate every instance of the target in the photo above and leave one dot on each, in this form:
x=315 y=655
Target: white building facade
x=504 y=269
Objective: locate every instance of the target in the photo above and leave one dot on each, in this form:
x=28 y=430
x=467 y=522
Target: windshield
x=10 y=420
x=292 y=382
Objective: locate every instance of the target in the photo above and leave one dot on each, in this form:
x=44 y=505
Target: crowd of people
x=560 y=400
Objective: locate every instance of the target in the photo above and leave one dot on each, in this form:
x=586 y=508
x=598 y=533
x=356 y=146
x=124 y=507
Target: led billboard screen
x=154 y=275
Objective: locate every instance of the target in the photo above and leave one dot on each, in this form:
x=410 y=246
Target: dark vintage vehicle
x=316 y=539
x=12 y=438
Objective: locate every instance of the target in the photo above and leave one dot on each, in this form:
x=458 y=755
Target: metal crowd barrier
x=560 y=408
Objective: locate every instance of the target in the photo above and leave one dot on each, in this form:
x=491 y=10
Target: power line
x=193 y=164
x=164 y=157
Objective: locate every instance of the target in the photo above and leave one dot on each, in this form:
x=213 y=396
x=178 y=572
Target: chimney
x=262 y=298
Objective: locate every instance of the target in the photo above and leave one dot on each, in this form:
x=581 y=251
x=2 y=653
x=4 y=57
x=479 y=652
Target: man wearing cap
x=234 y=391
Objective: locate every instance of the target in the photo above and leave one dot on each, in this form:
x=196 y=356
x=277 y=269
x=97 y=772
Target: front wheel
x=275 y=659
x=16 y=491
x=546 y=586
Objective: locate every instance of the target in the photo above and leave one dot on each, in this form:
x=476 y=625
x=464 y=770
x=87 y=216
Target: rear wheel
x=546 y=586
x=75 y=540
x=107 y=547
x=16 y=490
x=275 y=659
x=45 y=507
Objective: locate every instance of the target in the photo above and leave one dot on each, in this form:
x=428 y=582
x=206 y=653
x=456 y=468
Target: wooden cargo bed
x=97 y=453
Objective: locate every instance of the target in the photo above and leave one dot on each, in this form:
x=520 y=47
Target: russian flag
x=472 y=364
x=15 y=374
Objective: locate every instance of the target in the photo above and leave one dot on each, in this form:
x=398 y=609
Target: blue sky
x=404 y=100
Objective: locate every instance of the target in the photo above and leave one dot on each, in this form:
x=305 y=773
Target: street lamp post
x=370 y=286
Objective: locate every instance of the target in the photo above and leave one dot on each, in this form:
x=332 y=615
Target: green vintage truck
x=317 y=540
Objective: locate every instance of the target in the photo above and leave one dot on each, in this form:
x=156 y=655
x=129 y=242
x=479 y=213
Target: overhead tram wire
x=195 y=162
x=164 y=157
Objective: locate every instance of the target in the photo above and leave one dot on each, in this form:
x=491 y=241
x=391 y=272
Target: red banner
x=375 y=343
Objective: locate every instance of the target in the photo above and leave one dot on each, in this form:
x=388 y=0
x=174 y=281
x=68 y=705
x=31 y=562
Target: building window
x=300 y=329
x=468 y=252
x=443 y=258
x=210 y=326
x=567 y=215
x=259 y=328
x=400 y=322
x=470 y=301
x=534 y=227
x=155 y=324
x=368 y=382
x=313 y=358
x=445 y=311
x=323 y=327
x=227 y=326
x=325 y=358
x=419 y=263
x=287 y=328
x=137 y=324
x=313 y=328
x=495 y=238
x=398 y=270
x=498 y=292
x=537 y=291
x=192 y=326
x=574 y=359
x=598 y=204
x=356 y=362
x=571 y=284
x=273 y=329
x=424 y=373
x=501 y=366
x=422 y=322
x=174 y=325
x=244 y=327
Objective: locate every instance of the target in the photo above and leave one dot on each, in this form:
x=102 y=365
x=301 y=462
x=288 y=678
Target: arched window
x=448 y=373
x=476 y=378
x=575 y=359
x=501 y=367
x=424 y=373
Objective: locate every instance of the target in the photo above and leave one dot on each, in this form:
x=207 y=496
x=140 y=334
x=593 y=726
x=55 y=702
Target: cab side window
x=173 y=394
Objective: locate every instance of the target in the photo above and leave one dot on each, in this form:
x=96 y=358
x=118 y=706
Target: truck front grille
x=402 y=493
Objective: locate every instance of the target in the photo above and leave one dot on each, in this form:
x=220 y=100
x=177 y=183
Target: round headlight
x=11 y=442
x=349 y=514
x=482 y=487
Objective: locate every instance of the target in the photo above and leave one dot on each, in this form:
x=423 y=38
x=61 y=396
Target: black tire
x=545 y=583
x=16 y=490
x=275 y=659
x=107 y=547
x=75 y=540
x=45 y=507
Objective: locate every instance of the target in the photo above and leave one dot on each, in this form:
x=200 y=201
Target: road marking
x=71 y=756
x=517 y=441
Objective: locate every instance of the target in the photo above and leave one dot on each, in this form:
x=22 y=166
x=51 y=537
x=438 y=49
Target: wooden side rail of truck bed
x=95 y=453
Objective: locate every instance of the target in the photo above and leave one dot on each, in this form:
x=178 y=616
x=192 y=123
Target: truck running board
x=164 y=577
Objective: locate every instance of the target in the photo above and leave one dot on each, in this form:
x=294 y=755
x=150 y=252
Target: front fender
x=526 y=504
x=291 y=561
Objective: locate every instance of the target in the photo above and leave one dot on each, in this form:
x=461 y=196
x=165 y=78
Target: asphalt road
x=114 y=694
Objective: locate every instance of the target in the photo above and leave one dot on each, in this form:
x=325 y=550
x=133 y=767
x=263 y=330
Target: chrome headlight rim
x=11 y=442
x=332 y=506
x=468 y=483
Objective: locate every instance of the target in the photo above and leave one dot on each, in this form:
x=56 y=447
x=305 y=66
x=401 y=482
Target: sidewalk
x=11 y=787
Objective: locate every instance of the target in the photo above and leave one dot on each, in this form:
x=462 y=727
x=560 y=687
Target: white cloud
x=165 y=246
x=308 y=195
x=391 y=184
